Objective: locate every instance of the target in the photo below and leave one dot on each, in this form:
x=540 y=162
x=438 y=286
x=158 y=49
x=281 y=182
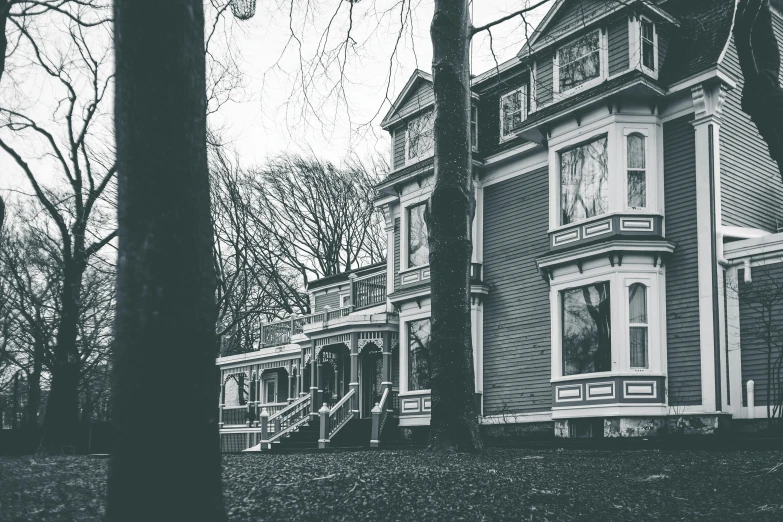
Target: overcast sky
x=273 y=113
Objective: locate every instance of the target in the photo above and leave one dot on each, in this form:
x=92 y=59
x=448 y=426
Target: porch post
x=320 y=381
x=313 y=385
x=354 y=384
x=387 y=362
x=336 y=380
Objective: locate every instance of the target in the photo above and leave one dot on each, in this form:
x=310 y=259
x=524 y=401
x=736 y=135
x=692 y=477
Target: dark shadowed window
x=579 y=61
x=473 y=127
x=637 y=307
x=648 y=45
x=418 y=247
x=584 y=181
x=419 y=355
x=513 y=111
x=587 y=333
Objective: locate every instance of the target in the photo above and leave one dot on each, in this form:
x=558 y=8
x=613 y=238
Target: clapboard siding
x=399 y=147
x=332 y=300
x=421 y=97
x=682 y=287
x=396 y=253
x=752 y=330
x=544 y=79
x=664 y=37
x=575 y=14
x=618 y=46
x=517 y=349
x=751 y=190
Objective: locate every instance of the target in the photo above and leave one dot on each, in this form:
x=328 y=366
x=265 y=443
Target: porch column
x=387 y=362
x=320 y=381
x=336 y=380
x=313 y=385
x=354 y=384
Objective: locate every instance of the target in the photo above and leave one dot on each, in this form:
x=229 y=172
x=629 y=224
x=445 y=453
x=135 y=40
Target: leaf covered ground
x=501 y=484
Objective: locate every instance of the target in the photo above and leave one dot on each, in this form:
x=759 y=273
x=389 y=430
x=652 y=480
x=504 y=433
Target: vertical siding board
x=396 y=253
x=751 y=188
x=517 y=349
x=618 y=46
x=682 y=287
x=752 y=344
x=544 y=79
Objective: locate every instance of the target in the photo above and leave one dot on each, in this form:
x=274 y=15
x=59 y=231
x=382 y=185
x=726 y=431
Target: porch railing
x=280 y=332
x=332 y=420
x=235 y=415
x=370 y=291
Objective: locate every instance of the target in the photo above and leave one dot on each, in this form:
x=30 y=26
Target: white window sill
x=414 y=393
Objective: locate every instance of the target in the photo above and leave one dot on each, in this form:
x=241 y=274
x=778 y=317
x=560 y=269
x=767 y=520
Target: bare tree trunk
x=759 y=59
x=165 y=463
x=34 y=386
x=454 y=424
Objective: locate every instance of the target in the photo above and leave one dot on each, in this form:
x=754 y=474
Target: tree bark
x=34 y=386
x=165 y=462
x=454 y=421
x=759 y=59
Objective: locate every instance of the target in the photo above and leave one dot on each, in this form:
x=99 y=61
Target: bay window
x=638 y=326
x=420 y=138
x=513 y=112
x=584 y=186
x=587 y=333
x=579 y=62
x=637 y=171
x=418 y=245
x=419 y=355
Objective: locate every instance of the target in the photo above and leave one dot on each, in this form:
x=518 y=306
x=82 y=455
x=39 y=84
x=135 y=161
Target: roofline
x=416 y=75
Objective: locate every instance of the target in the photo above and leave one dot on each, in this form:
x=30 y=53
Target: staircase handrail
x=290 y=418
x=288 y=408
x=384 y=411
x=340 y=413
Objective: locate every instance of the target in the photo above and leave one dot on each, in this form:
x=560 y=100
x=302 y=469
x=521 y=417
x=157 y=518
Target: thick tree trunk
x=165 y=462
x=61 y=421
x=454 y=424
x=34 y=387
x=759 y=58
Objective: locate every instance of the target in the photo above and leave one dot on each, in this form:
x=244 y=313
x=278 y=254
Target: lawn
x=502 y=484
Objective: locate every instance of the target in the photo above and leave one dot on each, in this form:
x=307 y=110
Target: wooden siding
x=544 y=79
x=574 y=15
x=752 y=344
x=396 y=253
x=618 y=46
x=421 y=96
x=517 y=349
x=682 y=285
x=664 y=37
x=332 y=300
x=751 y=189
x=398 y=142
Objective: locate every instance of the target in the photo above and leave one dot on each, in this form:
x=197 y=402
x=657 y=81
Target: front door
x=371 y=379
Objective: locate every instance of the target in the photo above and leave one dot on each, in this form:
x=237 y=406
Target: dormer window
x=420 y=138
x=578 y=62
x=648 y=44
x=513 y=111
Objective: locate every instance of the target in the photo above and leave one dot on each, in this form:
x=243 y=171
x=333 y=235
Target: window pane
x=648 y=45
x=637 y=297
x=418 y=247
x=473 y=127
x=270 y=391
x=636 y=151
x=512 y=111
x=584 y=176
x=419 y=355
x=579 y=61
x=420 y=136
x=587 y=334
x=637 y=189
x=236 y=390
x=638 y=346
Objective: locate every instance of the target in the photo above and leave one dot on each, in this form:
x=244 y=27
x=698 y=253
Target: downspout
x=714 y=270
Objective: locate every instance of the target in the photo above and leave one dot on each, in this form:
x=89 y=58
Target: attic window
x=579 y=61
x=513 y=111
x=419 y=140
x=648 y=44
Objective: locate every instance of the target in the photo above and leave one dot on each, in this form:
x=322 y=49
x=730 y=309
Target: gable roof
x=417 y=77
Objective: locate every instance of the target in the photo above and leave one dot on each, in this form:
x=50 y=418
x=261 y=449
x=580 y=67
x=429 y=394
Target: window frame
x=407 y=368
x=627 y=133
x=603 y=65
x=628 y=324
x=405 y=255
x=272 y=377
x=420 y=156
x=345 y=300
x=562 y=292
x=524 y=111
x=654 y=70
x=559 y=176
x=474 y=124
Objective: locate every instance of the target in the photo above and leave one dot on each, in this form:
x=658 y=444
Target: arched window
x=638 y=326
x=637 y=171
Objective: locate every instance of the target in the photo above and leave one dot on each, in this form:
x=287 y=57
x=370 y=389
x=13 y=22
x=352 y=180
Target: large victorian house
x=624 y=201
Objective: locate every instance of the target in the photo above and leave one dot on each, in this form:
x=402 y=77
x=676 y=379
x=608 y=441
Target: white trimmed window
x=638 y=325
x=587 y=329
x=345 y=300
x=418 y=241
x=649 y=43
x=419 y=354
x=578 y=62
x=420 y=138
x=636 y=162
x=269 y=389
x=584 y=181
x=513 y=112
